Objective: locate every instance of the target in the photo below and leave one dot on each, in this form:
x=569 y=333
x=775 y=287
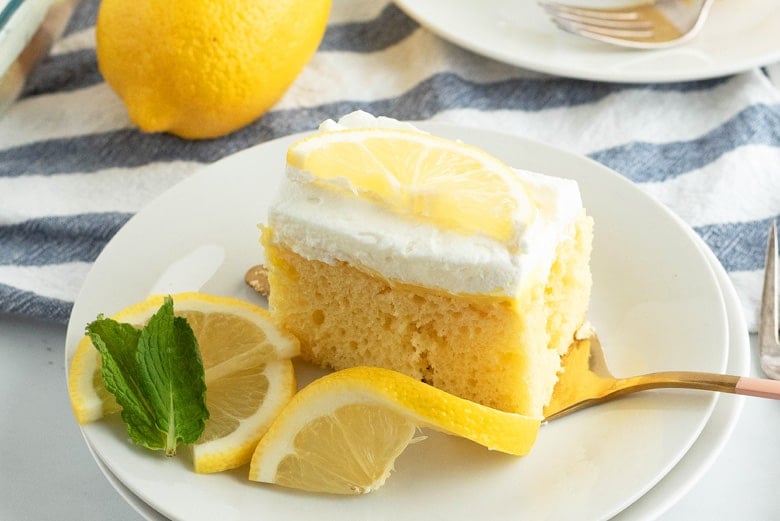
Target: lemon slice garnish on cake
x=342 y=433
x=249 y=375
x=453 y=185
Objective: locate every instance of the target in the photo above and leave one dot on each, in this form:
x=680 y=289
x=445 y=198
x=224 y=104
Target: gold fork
x=585 y=381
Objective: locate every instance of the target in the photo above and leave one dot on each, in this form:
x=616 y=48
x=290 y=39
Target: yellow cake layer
x=499 y=351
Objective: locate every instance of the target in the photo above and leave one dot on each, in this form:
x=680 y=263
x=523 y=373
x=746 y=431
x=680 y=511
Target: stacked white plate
x=660 y=302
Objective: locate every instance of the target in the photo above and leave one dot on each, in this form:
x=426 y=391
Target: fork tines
x=616 y=24
x=609 y=23
x=768 y=341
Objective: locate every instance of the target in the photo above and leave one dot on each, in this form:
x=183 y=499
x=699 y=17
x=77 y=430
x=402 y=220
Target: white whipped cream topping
x=329 y=226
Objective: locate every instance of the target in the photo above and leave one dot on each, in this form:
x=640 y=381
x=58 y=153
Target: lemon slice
x=342 y=433
x=453 y=185
x=249 y=375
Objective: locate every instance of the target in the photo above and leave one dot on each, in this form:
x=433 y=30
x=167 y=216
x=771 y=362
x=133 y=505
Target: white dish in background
x=656 y=303
x=738 y=35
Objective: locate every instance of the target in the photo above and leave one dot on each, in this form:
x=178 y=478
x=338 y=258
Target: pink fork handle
x=761 y=387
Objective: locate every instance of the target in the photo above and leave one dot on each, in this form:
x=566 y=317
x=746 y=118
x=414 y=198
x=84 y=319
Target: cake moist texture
x=474 y=316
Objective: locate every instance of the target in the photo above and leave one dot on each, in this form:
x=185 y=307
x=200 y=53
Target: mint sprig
x=156 y=374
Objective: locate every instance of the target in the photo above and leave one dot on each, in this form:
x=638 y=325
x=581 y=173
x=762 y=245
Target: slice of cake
x=390 y=247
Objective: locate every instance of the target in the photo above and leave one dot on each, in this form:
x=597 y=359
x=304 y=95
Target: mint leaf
x=118 y=344
x=172 y=375
x=156 y=375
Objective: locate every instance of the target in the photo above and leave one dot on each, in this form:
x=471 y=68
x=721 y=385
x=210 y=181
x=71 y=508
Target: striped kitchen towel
x=73 y=169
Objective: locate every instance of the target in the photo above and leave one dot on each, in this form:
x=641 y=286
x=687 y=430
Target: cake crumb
x=257 y=279
x=585 y=331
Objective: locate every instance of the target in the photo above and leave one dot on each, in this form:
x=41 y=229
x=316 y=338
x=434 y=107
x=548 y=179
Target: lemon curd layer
x=322 y=224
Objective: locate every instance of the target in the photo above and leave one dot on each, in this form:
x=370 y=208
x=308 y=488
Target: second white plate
x=684 y=475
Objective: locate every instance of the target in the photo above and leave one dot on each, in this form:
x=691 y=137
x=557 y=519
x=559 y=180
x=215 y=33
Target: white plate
x=721 y=424
x=685 y=474
x=739 y=35
x=656 y=303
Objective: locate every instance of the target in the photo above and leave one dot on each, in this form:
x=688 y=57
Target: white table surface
x=46 y=471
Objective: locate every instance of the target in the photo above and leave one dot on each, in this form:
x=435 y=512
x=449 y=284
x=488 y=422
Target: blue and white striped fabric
x=73 y=169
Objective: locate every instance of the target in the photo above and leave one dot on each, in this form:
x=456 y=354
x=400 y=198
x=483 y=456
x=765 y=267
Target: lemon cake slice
x=390 y=247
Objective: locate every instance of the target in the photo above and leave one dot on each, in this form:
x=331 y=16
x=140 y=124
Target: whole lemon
x=204 y=68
